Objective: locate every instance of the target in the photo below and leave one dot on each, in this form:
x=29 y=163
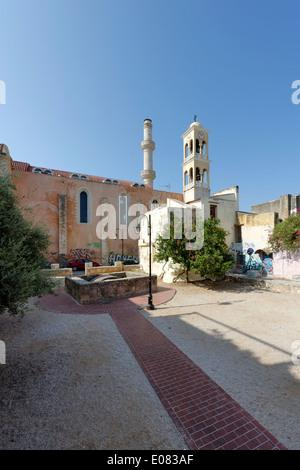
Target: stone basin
x=102 y=287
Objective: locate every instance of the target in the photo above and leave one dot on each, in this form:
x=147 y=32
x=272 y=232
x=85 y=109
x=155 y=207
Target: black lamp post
x=150 y=305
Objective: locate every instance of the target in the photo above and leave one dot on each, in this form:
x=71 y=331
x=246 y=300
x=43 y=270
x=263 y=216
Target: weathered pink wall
x=285 y=265
x=39 y=192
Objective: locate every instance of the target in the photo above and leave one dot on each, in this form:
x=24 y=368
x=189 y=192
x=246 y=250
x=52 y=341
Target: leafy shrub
x=286 y=234
x=214 y=259
x=22 y=248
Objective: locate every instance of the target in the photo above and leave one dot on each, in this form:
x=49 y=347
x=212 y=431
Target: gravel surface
x=242 y=338
x=70 y=382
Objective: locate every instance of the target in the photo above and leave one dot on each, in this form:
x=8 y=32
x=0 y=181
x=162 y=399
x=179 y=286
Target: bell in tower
x=196 y=162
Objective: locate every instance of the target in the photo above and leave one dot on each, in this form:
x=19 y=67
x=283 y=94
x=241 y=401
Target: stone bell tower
x=148 y=175
x=196 y=162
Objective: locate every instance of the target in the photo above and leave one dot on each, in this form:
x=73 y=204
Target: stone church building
x=67 y=202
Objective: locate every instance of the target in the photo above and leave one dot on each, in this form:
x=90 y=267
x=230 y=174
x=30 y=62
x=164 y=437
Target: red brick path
x=205 y=414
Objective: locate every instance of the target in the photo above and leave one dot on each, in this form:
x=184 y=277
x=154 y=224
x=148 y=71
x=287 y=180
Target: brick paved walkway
x=205 y=414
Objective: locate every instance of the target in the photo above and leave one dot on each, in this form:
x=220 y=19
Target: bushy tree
x=214 y=259
x=171 y=244
x=22 y=248
x=286 y=234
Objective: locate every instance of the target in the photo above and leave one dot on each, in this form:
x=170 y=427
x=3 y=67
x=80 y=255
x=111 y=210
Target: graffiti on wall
x=268 y=265
x=75 y=253
x=84 y=253
x=95 y=244
x=252 y=260
x=113 y=257
x=52 y=256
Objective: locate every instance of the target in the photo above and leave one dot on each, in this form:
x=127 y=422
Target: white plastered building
x=222 y=205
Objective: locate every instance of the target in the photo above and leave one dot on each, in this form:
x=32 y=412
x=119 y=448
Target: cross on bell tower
x=196 y=162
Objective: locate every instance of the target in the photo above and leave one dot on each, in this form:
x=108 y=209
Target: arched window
x=197 y=146
x=197 y=174
x=191 y=146
x=83 y=207
x=186 y=178
x=186 y=152
x=204 y=177
x=191 y=175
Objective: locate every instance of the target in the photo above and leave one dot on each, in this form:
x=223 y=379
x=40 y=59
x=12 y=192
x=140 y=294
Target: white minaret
x=195 y=163
x=148 y=175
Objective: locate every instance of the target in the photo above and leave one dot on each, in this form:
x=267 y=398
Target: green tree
x=286 y=234
x=22 y=249
x=214 y=259
x=211 y=261
x=171 y=244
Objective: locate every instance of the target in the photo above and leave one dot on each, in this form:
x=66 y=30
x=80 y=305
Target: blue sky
x=81 y=77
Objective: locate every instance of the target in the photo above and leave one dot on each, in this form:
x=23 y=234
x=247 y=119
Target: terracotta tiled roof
x=22 y=166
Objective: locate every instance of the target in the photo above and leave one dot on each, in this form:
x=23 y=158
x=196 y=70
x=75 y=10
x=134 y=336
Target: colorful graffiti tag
x=268 y=265
x=252 y=259
x=134 y=259
x=84 y=253
x=95 y=245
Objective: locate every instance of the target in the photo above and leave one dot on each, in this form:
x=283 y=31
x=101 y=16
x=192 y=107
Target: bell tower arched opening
x=196 y=166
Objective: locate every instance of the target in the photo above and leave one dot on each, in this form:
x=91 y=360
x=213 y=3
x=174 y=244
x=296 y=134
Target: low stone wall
x=94 y=288
x=271 y=283
x=110 y=269
x=60 y=272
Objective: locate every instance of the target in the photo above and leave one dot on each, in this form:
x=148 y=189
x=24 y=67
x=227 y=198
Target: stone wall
x=109 y=269
x=286 y=265
x=283 y=206
x=91 y=289
x=5 y=160
x=59 y=272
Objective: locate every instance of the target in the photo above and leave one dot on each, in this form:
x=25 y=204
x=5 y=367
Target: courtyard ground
x=79 y=377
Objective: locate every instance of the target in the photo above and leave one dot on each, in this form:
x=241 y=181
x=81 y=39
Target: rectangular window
x=213 y=211
x=238 y=234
